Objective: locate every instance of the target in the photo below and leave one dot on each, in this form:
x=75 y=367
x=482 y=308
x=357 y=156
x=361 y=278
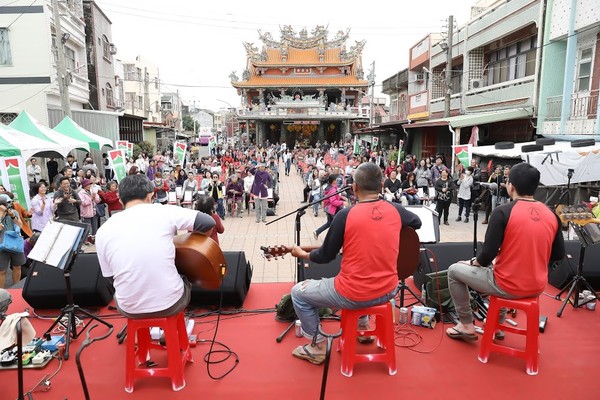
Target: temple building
x=304 y=87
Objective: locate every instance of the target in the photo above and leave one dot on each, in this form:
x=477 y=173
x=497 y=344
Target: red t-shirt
x=523 y=236
x=369 y=232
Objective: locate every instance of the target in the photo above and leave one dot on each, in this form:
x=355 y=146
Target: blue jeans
x=316 y=197
x=311 y=294
x=326 y=225
x=220 y=208
x=413 y=199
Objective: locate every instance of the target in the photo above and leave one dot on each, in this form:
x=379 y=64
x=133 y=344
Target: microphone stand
x=300 y=211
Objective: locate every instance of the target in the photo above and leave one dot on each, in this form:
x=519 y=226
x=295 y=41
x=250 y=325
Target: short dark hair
x=66 y=168
x=134 y=187
x=332 y=178
x=64 y=178
x=368 y=177
x=525 y=178
x=205 y=204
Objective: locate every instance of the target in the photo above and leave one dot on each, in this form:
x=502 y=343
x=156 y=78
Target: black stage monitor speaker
x=235 y=286
x=445 y=254
x=318 y=271
x=561 y=272
x=46 y=288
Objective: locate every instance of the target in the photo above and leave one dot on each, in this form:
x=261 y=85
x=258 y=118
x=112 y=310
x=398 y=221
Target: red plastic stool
x=530 y=354
x=384 y=331
x=177 y=346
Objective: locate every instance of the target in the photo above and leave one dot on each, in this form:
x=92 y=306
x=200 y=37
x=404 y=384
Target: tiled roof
x=303 y=57
x=284 y=81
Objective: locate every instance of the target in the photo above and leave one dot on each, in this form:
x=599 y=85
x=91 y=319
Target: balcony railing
x=584 y=105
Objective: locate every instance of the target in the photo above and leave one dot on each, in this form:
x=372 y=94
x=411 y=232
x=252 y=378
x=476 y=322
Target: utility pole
x=146 y=105
x=371 y=78
x=61 y=67
x=449 y=66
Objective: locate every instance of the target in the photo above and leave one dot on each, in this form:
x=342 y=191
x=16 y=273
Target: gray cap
x=5 y=300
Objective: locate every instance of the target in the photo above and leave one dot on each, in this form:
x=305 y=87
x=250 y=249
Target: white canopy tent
x=30 y=146
x=554 y=161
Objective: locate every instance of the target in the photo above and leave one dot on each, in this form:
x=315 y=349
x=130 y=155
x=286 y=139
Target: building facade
x=570 y=71
x=493 y=83
x=304 y=87
x=141 y=86
x=28 y=58
x=103 y=82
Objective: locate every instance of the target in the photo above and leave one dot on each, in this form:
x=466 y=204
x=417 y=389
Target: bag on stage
x=433 y=285
x=13 y=241
x=285 y=310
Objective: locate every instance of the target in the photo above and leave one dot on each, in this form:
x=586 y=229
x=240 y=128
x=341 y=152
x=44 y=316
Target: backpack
x=285 y=310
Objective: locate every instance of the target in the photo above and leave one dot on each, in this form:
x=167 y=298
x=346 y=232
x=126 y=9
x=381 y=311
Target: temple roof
x=303 y=57
x=301 y=81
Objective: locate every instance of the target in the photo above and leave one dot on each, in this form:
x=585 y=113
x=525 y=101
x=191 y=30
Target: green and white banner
x=14 y=179
x=356 y=145
x=122 y=145
x=179 y=152
x=463 y=154
x=117 y=160
x=130 y=149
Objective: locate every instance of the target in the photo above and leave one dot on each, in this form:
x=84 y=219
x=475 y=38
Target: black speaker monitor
x=235 y=286
x=46 y=288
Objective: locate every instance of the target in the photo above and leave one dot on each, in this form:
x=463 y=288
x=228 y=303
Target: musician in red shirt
x=523 y=237
x=368 y=273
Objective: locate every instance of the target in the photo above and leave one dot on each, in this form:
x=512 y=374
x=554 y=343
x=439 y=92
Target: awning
x=473 y=119
x=28 y=145
x=69 y=128
x=32 y=127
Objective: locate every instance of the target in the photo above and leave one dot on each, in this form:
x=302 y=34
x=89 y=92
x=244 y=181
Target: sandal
x=467 y=337
x=303 y=353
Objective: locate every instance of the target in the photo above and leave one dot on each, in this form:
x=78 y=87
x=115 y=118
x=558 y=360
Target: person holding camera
x=465 y=185
x=8 y=219
x=67 y=201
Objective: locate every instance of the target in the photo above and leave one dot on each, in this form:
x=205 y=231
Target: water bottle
x=423 y=294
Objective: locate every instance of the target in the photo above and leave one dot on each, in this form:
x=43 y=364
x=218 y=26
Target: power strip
x=156 y=333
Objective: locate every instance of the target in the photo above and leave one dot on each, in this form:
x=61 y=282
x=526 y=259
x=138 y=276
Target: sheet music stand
x=578 y=283
x=70 y=310
x=428 y=233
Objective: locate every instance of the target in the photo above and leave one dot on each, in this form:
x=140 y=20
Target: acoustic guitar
x=406 y=264
x=200 y=260
x=580 y=215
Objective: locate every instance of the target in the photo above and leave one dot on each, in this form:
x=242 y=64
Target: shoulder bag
x=13 y=241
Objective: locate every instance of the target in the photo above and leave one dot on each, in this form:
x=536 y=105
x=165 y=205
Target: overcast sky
x=197 y=44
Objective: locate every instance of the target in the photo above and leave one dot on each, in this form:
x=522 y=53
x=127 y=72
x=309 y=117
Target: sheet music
x=187 y=196
x=427 y=232
x=55 y=243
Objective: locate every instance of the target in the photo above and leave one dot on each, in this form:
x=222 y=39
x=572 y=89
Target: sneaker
x=315 y=235
x=365 y=339
x=458 y=219
x=467 y=220
x=446 y=223
x=485 y=222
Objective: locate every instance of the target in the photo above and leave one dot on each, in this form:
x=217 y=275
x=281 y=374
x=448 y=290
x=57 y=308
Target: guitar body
x=200 y=259
x=408 y=256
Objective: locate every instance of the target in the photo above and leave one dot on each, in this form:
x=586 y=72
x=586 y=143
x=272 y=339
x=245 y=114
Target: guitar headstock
x=579 y=215
x=274 y=252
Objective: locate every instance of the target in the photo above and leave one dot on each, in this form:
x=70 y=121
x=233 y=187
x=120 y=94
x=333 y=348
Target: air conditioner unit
x=476 y=83
x=112 y=49
x=420 y=77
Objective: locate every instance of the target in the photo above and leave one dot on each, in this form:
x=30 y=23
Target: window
x=109 y=96
x=130 y=72
x=106 y=48
x=130 y=98
x=584 y=70
x=70 y=58
x=140 y=102
x=512 y=62
x=5 y=55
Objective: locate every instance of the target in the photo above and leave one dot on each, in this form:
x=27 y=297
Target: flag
x=14 y=179
x=356 y=145
x=117 y=160
x=130 y=149
x=179 y=151
x=474 y=136
x=463 y=154
x=122 y=145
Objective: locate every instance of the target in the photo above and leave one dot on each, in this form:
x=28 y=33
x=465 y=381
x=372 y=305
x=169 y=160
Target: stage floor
x=436 y=368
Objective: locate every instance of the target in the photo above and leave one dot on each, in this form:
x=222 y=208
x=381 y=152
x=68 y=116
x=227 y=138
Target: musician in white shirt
x=141 y=264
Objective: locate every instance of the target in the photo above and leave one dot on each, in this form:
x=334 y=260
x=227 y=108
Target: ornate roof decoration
x=302 y=39
x=355 y=51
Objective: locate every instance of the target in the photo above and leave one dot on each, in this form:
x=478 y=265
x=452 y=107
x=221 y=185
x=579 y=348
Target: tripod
x=66 y=319
x=565 y=192
x=578 y=283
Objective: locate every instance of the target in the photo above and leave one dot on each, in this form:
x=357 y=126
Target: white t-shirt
x=136 y=248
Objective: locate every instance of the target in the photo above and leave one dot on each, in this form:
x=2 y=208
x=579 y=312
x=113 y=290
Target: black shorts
x=11 y=259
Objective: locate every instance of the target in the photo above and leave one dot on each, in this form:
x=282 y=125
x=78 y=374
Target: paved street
x=244 y=234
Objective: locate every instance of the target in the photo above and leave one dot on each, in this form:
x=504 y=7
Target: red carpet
x=569 y=366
